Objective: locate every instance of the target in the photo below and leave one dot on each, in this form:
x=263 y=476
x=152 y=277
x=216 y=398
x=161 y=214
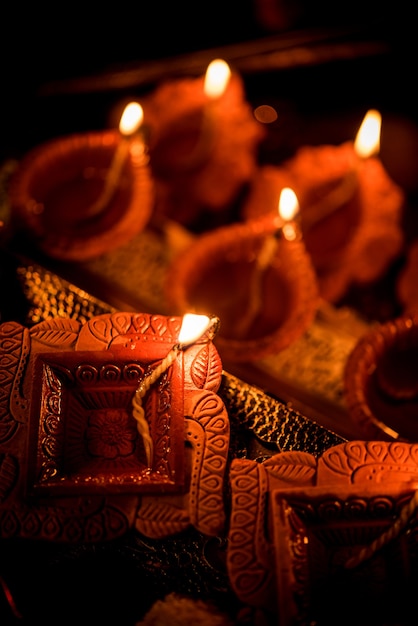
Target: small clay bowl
x=57 y=182
x=381 y=381
x=355 y=240
x=215 y=275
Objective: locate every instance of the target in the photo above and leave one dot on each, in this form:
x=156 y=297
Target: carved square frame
x=45 y=371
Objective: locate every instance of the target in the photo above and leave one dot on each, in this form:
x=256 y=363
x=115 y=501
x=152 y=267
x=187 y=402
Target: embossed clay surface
x=68 y=433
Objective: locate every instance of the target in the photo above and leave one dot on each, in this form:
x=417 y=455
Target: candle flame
x=367 y=140
x=192 y=328
x=217 y=77
x=288 y=204
x=131 y=119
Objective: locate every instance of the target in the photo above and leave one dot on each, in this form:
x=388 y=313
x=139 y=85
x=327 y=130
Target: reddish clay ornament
x=350 y=213
x=71 y=455
x=260 y=312
x=380 y=381
x=56 y=185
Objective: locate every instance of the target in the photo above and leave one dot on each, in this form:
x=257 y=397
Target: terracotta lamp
x=203 y=141
x=80 y=460
x=350 y=209
x=82 y=195
x=256 y=277
x=312 y=538
x=380 y=380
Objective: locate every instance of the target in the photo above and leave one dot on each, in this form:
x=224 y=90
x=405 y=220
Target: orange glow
x=367 y=140
x=192 y=328
x=288 y=204
x=131 y=119
x=265 y=114
x=217 y=77
x=288 y=209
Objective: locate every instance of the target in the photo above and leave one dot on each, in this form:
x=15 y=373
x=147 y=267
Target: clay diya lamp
x=350 y=209
x=203 y=141
x=256 y=277
x=381 y=381
x=82 y=195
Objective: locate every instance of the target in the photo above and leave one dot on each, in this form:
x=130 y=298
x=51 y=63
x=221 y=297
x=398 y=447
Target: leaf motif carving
x=158 y=519
x=400 y=452
x=294 y=467
x=206 y=369
x=56 y=332
x=343 y=459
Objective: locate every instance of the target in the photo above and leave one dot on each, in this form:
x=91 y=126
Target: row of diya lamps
x=307 y=229
x=327 y=218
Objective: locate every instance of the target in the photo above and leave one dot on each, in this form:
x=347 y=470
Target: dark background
x=45 y=49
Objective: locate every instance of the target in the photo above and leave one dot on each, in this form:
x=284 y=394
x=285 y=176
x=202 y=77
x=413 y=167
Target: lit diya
x=82 y=195
x=350 y=209
x=256 y=277
x=381 y=381
x=203 y=141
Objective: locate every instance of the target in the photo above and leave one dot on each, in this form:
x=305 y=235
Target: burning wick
x=288 y=209
x=366 y=144
x=216 y=81
x=217 y=78
x=193 y=327
x=129 y=124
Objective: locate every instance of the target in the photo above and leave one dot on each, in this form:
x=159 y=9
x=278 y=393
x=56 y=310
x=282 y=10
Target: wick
x=368 y=551
x=332 y=201
x=130 y=122
x=112 y=178
x=289 y=230
x=366 y=144
x=137 y=407
x=217 y=77
x=255 y=299
x=199 y=152
x=147 y=382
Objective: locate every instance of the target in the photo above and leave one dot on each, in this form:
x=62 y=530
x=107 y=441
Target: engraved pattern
x=210 y=444
x=57 y=332
x=249 y=566
x=357 y=461
x=108 y=327
x=315 y=535
x=364 y=482
x=206 y=370
x=292 y=467
x=13 y=353
x=95 y=440
x=75 y=372
x=250 y=543
x=158 y=518
x=89 y=521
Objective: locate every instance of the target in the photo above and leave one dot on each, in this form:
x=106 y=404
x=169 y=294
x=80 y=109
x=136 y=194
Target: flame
x=217 y=77
x=193 y=327
x=367 y=140
x=131 y=119
x=288 y=204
